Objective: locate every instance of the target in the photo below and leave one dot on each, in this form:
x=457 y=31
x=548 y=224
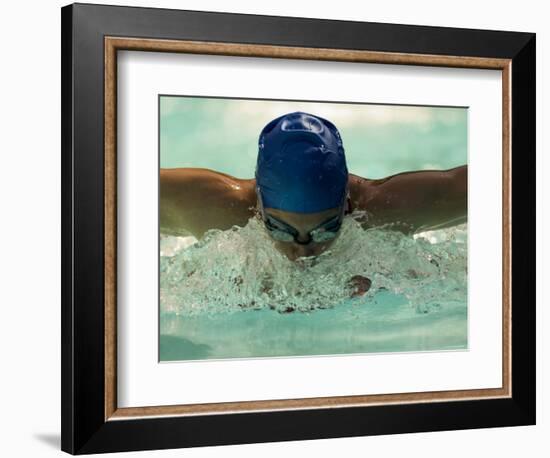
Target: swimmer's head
x=301 y=182
x=301 y=164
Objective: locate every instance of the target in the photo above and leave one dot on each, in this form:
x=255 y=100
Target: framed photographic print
x=282 y=228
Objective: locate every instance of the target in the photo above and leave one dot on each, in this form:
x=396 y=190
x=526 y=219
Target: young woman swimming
x=302 y=191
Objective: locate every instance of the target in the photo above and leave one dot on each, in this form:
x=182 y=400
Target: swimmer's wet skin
x=302 y=190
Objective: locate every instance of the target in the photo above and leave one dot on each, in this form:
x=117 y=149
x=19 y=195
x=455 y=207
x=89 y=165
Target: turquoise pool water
x=233 y=295
x=379 y=140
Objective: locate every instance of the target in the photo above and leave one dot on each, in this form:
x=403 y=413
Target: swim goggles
x=284 y=232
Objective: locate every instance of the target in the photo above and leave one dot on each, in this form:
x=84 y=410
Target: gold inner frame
x=112 y=45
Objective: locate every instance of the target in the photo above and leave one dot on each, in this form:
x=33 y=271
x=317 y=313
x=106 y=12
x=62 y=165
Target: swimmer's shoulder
x=361 y=190
x=198 y=199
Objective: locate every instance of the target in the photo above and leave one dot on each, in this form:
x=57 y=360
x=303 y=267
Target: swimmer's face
x=303 y=223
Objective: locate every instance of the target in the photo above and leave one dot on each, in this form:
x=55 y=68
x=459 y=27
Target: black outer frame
x=84 y=429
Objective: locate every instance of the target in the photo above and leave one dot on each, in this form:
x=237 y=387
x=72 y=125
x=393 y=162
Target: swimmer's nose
x=303 y=239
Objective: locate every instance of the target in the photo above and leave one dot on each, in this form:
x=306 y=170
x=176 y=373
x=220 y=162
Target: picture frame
x=92 y=35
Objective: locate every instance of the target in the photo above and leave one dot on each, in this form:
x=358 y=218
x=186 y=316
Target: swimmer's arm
x=414 y=201
x=194 y=200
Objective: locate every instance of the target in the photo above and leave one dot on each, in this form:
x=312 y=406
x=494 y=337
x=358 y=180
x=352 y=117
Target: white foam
x=241 y=269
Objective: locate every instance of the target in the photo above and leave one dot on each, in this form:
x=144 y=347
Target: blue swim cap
x=301 y=164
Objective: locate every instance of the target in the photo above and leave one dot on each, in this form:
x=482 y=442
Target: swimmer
x=302 y=191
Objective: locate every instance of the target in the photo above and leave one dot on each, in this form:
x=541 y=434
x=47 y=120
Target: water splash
x=240 y=269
